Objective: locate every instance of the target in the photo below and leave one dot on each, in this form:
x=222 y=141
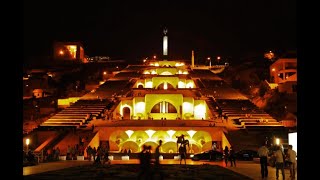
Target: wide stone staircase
x=78 y=114
x=245 y=114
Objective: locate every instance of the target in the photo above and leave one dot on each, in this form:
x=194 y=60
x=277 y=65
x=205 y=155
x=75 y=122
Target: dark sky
x=133 y=29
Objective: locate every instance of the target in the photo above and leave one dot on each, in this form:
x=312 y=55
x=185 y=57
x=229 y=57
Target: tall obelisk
x=165 y=44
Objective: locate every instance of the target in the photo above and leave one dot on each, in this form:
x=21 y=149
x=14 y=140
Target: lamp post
x=277 y=141
x=27 y=143
x=273 y=75
x=209 y=59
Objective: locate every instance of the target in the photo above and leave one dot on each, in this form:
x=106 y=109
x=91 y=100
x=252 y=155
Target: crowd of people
x=279 y=159
x=29 y=158
x=146 y=162
x=98 y=155
x=229 y=155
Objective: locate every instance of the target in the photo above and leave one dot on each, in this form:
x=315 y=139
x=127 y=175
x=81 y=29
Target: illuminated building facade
x=161 y=100
x=283 y=72
x=69 y=51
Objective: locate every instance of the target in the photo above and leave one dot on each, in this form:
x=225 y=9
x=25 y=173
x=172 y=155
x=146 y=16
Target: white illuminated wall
x=293 y=141
x=181 y=84
x=140 y=107
x=187 y=107
x=149 y=84
x=199 y=111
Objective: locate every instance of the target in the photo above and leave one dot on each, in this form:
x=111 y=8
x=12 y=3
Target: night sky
x=133 y=29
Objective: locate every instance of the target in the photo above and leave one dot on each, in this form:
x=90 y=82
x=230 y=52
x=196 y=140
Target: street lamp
x=27 y=143
x=209 y=59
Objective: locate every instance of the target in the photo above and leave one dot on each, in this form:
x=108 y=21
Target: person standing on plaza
x=157 y=166
x=226 y=155
x=263 y=154
x=279 y=156
x=145 y=163
x=94 y=153
x=292 y=155
x=183 y=153
x=89 y=152
x=232 y=157
x=69 y=152
x=157 y=154
x=57 y=154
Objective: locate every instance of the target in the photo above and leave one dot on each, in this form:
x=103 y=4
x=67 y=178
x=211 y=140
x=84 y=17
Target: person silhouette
x=157 y=167
x=183 y=153
x=263 y=154
x=226 y=154
x=145 y=163
x=232 y=157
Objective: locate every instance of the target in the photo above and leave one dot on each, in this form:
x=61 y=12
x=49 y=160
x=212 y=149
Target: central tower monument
x=165 y=44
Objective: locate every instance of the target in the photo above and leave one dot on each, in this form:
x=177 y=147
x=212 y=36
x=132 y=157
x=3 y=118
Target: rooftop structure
x=283 y=73
x=69 y=51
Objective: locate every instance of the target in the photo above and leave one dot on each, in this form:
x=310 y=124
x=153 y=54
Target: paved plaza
x=129 y=169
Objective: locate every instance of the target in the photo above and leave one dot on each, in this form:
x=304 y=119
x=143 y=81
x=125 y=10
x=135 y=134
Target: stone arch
x=160 y=135
x=166 y=73
x=152 y=144
x=169 y=147
x=116 y=138
x=166 y=100
x=126 y=111
x=179 y=133
x=169 y=85
x=130 y=145
x=171 y=108
x=140 y=85
x=139 y=137
x=202 y=137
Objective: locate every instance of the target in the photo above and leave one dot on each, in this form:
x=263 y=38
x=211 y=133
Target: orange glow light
x=61 y=52
x=72 y=50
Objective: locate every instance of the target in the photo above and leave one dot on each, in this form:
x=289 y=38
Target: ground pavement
x=201 y=169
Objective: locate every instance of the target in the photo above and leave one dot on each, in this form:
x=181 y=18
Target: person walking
x=157 y=154
x=292 y=155
x=89 y=152
x=232 y=157
x=145 y=163
x=263 y=154
x=279 y=156
x=94 y=153
x=106 y=156
x=226 y=155
x=157 y=166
